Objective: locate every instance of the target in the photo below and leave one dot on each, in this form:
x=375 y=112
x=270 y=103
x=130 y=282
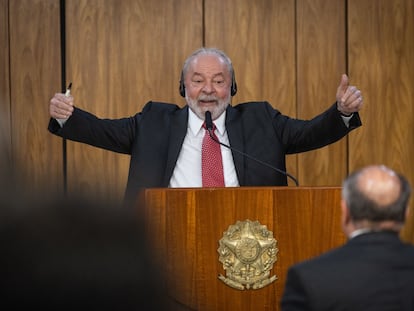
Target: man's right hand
x=61 y=106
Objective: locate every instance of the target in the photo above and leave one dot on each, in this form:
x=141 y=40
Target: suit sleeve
x=111 y=134
x=305 y=135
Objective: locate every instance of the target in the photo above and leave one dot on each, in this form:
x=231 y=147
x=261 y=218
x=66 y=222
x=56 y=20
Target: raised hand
x=348 y=97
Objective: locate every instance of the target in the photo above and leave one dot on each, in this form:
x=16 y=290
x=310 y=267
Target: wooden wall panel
x=121 y=55
x=259 y=37
x=34 y=77
x=4 y=76
x=381 y=54
x=320 y=64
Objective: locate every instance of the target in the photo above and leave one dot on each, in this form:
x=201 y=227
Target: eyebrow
x=214 y=76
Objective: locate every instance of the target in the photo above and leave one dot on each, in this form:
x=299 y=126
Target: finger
x=350 y=91
x=353 y=105
x=61 y=107
x=352 y=96
x=58 y=113
x=64 y=98
x=343 y=85
x=56 y=104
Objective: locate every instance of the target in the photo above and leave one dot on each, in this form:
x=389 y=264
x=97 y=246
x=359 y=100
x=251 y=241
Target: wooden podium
x=186 y=225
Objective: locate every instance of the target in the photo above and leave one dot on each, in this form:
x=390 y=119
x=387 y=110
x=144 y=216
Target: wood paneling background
x=34 y=50
x=5 y=117
x=321 y=60
x=121 y=54
x=381 y=58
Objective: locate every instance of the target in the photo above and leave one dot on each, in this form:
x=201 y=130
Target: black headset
x=233 y=85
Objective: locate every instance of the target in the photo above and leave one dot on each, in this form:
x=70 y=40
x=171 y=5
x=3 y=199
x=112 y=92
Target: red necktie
x=211 y=161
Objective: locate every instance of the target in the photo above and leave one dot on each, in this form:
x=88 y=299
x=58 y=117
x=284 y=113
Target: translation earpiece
x=233 y=85
x=182 y=86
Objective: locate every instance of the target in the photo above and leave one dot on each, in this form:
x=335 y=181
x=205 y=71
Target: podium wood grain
x=185 y=226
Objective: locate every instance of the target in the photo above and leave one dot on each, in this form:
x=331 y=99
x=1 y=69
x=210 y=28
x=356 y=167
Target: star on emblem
x=247 y=251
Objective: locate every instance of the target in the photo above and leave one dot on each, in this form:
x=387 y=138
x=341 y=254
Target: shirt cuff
x=347 y=119
x=63 y=121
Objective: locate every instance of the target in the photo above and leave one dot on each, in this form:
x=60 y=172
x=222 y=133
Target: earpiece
x=182 y=86
x=233 y=85
x=233 y=89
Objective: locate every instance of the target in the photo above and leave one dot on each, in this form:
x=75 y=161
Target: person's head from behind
x=208 y=82
x=374 y=198
x=69 y=254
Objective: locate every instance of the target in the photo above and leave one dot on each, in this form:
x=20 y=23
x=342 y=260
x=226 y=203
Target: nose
x=208 y=88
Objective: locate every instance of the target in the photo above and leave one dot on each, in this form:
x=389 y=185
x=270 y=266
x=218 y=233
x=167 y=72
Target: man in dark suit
x=374 y=270
x=165 y=141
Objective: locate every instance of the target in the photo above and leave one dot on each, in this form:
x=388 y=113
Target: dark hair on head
x=363 y=208
x=67 y=253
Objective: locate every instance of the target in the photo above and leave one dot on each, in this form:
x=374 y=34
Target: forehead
x=208 y=64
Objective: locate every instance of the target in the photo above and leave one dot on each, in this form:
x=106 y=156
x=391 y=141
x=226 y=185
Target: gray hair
x=208 y=51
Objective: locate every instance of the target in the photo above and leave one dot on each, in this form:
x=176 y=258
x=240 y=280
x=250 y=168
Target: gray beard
x=216 y=111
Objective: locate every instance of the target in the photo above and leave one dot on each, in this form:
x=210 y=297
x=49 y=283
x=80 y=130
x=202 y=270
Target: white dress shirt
x=187 y=171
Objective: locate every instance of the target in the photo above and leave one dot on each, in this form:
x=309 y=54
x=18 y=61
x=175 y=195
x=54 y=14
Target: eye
x=197 y=81
x=219 y=84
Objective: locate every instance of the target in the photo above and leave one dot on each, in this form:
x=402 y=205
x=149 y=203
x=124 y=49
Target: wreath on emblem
x=247 y=251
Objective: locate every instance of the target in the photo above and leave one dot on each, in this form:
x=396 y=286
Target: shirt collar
x=195 y=123
x=362 y=231
x=357 y=232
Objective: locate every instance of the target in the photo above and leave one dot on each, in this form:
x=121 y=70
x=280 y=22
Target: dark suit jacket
x=371 y=272
x=154 y=137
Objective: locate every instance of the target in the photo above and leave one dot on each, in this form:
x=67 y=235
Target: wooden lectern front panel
x=186 y=225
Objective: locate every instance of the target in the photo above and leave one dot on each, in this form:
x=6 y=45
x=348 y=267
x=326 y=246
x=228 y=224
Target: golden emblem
x=247 y=251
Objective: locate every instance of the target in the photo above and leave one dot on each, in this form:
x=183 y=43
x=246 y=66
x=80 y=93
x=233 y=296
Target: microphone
x=209 y=127
x=209 y=121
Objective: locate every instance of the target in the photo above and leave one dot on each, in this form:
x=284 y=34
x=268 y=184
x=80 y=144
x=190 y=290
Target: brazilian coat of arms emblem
x=247 y=251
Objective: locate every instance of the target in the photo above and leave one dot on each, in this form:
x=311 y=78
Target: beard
x=220 y=104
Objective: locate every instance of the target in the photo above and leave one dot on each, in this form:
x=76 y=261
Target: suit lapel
x=235 y=133
x=178 y=130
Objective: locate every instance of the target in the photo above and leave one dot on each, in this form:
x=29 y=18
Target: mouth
x=207 y=102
